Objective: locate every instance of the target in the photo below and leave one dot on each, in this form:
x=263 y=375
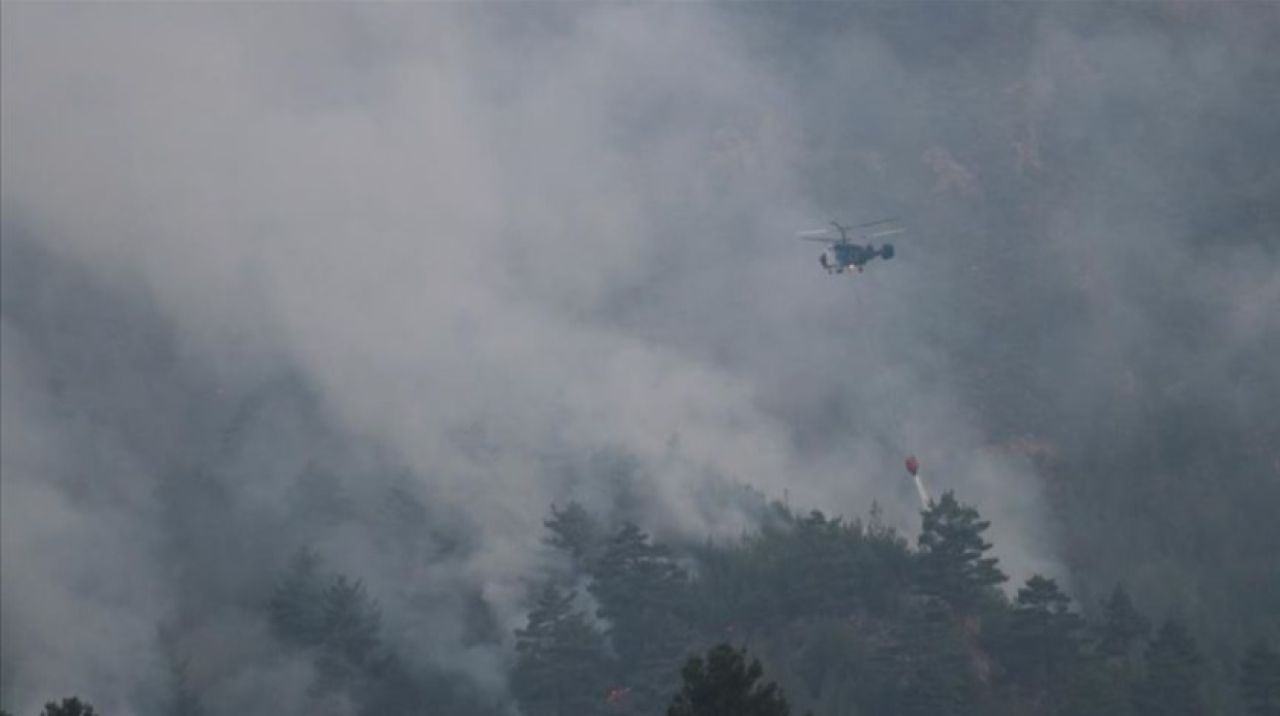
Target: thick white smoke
x=482 y=239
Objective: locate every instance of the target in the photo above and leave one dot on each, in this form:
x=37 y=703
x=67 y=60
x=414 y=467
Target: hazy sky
x=458 y=248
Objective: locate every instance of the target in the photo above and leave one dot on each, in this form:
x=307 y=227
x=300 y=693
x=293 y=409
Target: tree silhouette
x=925 y=667
x=1172 y=686
x=294 y=609
x=1260 y=680
x=575 y=532
x=1042 y=643
x=851 y=616
x=952 y=565
x=351 y=620
x=561 y=663
x=1123 y=626
x=68 y=707
x=642 y=593
x=724 y=684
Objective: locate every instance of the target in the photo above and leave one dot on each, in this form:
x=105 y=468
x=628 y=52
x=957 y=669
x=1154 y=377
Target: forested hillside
x=460 y=358
x=847 y=616
x=852 y=619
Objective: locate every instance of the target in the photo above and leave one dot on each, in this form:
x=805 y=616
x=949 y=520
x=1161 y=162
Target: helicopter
x=843 y=254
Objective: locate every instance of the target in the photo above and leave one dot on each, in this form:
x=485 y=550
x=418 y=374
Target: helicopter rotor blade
x=886 y=232
x=874 y=223
x=823 y=235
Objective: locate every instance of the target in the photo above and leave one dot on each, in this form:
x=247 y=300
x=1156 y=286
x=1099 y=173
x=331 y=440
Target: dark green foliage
x=802 y=567
x=349 y=621
x=348 y=652
x=644 y=596
x=1172 y=686
x=951 y=561
x=68 y=707
x=1108 y=666
x=335 y=621
x=823 y=578
x=388 y=685
x=1260 y=680
x=1095 y=688
x=1041 y=645
x=1123 y=627
x=838 y=567
x=333 y=614
x=576 y=533
x=724 y=684
x=927 y=666
x=635 y=574
x=562 y=664
x=294 y=608
x=850 y=618
x=831 y=663
x=855 y=621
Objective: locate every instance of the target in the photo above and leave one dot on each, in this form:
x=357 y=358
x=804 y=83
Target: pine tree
x=925 y=667
x=1260 y=680
x=350 y=621
x=1123 y=627
x=387 y=686
x=294 y=609
x=68 y=707
x=637 y=579
x=1107 y=672
x=951 y=565
x=821 y=566
x=643 y=596
x=724 y=684
x=890 y=562
x=338 y=620
x=830 y=567
x=1097 y=688
x=1173 y=682
x=562 y=663
x=1041 y=647
x=576 y=533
